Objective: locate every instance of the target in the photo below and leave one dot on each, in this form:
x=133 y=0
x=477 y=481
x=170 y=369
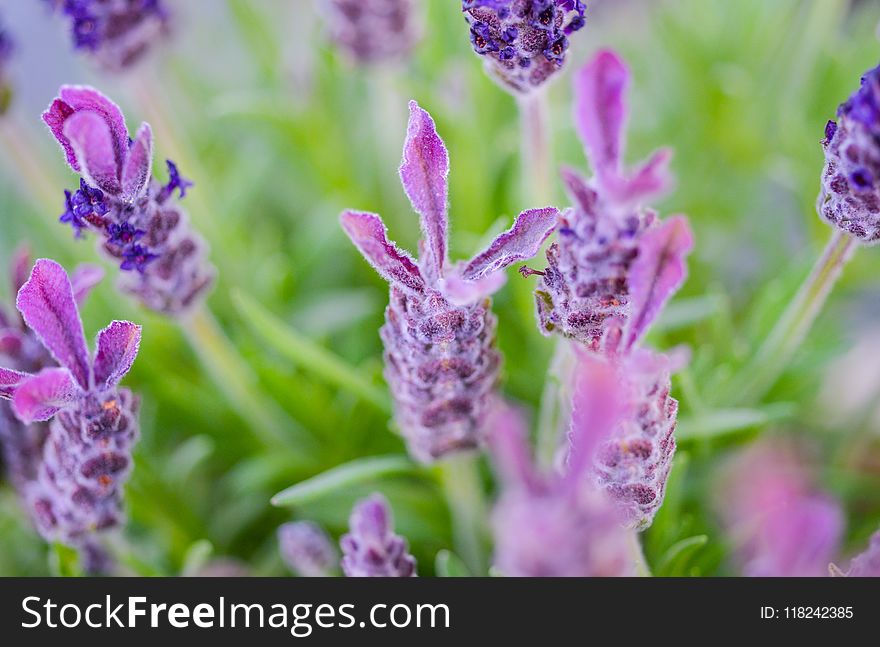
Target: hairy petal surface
x=368 y=233
x=41 y=396
x=117 y=348
x=520 y=242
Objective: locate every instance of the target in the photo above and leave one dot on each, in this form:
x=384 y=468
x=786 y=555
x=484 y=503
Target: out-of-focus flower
x=116 y=33
x=850 y=195
x=163 y=261
x=439 y=332
x=372 y=31
x=371 y=549
x=307 y=549
x=87 y=454
x=867 y=564
x=523 y=42
x=7 y=48
x=560 y=524
x=778 y=522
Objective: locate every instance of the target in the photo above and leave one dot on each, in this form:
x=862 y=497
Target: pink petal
x=117 y=348
x=423 y=173
x=84 y=278
x=138 y=164
x=9 y=380
x=47 y=304
x=650 y=180
x=507 y=438
x=520 y=242
x=54 y=117
x=41 y=396
x=461 y=293
x=369 y=235
x=656 y=274
x=579 y=191
x=92 y=142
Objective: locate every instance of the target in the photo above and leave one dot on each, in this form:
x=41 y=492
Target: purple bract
x=371 y=549
x=867 y=564
x=373 y=31
x=307 y=549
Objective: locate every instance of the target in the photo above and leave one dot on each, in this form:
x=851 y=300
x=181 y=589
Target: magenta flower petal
x=92 y=141
x=47 y=304
x=658 y=271
x=520 y=242
x=460 y=292
x=651 y=179
x=600 y=110
x=423 y=173
x=84 y=278
x=368 y=233
x=583 y=197
x=9 y=380
x=41 y=396
x=117 y=347
x=138 y=163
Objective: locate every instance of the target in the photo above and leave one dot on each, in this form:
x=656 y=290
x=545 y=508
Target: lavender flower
x=87 y=454
x=560 y=524
x=850 y=195
x=867 y=564
x=371 y=549
x=523 y=42
x=116 y=33
x=163 y=261
x=306 y=549
x=372 y=31
x=7 y=48
x=779 y=523
x=439 y=334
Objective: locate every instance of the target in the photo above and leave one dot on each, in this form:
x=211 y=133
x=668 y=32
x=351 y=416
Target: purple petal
x=369 y=235
x=84 y=278
x=93 y=144
x=46 y=302
x=138 y=164
x=54 y=117
x=600 y=110
x=41 y=396
x=9 y=380
x=658 y=271
x=461 y=293
x=507 y=438
x=423 y=173
x=117 y=347
x=650 y=180
x=520 y=242
x=579 y=191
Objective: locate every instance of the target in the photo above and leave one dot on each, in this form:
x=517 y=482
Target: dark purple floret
x=85 y=206
x=123 y=234
x=137 y=257
x=175 y=181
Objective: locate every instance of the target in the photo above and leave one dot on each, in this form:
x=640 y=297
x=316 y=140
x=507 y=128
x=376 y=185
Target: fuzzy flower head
x=116 y=33
x=614 y=264
x=523 y=42
x=439 y=332
x=307 y=549
x=371 y=548
x=143 y=227
x=372 y=31
x=778 y=522
x=87 y=454
x=850 y=195
x=7 y=49
x=563 y=510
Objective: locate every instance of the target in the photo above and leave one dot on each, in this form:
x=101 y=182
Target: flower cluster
x=867 y=564
x=850 y=195
x=371 y=548
x=86 y=455
x=373 y=31
x=524 y=42
x=439 y=332
x=117 y=33
x=307 y=550
x=7 y=48
x=142 y=225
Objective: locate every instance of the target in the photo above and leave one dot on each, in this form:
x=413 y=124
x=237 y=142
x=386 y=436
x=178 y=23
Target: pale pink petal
x=507 y=438
x=84 y=278
x=650 y=180
x=93 y=144
x=41 y=396
x=138 y=163
x=461 y=292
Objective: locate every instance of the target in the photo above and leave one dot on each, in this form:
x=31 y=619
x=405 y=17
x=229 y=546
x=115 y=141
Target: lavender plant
x=143 y=226
x=115 y=33
x=371 y=548
x=439 y=334
x=867 y=563
x=307 y=549
x=86 y=456
x=372 y=31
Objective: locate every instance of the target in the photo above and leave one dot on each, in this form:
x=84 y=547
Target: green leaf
x=197 y=557
x=682 y=313
x=448 y=564
x=64 y=561
x=722 y=422
x=305 y=353
x=342 y=476
x=675 y=559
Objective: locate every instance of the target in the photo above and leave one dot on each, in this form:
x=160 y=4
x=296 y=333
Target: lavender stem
x=640 y=564
x=537 y=154
x=460 y=476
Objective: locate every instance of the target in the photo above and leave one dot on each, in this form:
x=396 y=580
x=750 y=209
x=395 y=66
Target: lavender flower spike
x=307 y=550
x=116 y=33
x=87 y=454
x=144 y=229
x=850 y=195
x=523 y=42
x=373 y=31
x=7 y=48
x=867 y=564
x=439 y=334
x=371 y=549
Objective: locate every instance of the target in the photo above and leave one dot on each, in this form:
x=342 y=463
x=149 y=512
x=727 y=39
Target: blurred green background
x=280 y=132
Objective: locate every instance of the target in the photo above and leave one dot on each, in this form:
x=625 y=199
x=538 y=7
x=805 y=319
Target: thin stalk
x=638 y=556
x=774 y=355
x=555 y=412
x=460 y=477
x=537 y=154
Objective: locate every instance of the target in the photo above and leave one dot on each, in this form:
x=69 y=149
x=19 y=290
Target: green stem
x=638 y=556
x=460 y=477
x=555 y=411
x=774 y=355
x=537 y=154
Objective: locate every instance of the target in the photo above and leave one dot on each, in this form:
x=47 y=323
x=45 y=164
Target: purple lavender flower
x=523 y=42
x=116 y=33
x=163 y=261
x=439 y=332
x=307 y=549
x=850 y=195
x=560 y=524
x=371 y=549
x=779 y=523
x=7 y=48
x=373 y=31
x=86 y=456
x=613 y=264
x=867 y=564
